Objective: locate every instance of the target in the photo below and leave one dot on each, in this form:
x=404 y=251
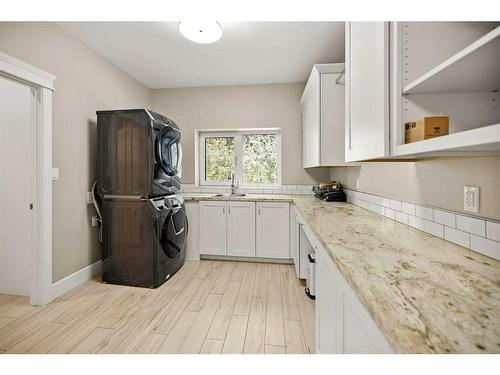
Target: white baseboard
x=72 y=281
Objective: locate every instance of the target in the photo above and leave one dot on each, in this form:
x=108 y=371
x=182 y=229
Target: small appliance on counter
x=329 y=191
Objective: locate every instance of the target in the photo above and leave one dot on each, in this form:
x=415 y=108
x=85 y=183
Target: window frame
x=238 y=151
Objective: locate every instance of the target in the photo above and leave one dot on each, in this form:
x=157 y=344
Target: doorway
x=26 y=180
x=17 y=222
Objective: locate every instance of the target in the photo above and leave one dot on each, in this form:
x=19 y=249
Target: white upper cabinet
x=241 y=229
x=367 y=91
x=449 y=69
x=212 y=228
x=273 y=230
x=323 y=105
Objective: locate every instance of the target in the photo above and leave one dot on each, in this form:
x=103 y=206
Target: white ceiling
x=248 y=53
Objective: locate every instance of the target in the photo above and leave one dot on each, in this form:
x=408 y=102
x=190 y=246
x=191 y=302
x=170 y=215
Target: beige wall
x=436 y=182
x=85 y=83
x=259 y=106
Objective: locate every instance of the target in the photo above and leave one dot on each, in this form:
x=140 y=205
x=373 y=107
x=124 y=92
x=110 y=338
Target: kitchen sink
x=230 y=195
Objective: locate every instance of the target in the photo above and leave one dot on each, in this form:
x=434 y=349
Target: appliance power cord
x=96 y=206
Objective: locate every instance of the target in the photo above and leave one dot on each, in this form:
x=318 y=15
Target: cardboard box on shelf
x=426 y=128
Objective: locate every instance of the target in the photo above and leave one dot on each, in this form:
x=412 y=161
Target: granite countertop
x=426 y=295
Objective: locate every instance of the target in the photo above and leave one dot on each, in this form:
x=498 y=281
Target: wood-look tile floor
x=207 y=307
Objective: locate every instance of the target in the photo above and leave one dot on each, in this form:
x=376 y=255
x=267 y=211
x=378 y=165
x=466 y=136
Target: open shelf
x=474 y=68
x=485 y=138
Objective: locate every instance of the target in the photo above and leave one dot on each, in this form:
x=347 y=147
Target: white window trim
x=201 y=135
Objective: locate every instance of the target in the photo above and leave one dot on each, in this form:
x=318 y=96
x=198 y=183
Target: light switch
x=55 y=174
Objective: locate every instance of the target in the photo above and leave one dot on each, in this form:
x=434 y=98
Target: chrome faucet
x=234 y=185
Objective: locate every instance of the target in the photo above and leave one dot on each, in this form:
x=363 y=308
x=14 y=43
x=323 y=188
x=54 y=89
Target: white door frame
x=43 y=83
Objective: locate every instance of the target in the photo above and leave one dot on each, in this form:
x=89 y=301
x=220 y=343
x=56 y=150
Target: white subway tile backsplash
x=445 y=218
x=396 y=205
x=434 y=228
x=416 y=222
x=471 y=225
x=408 y=208
x=493 y=230
x=284 y=189
x=485 y=246
x=391 y=214
x=424 y=213
x=462 y=230
x=457 y=236
x=402 y=217
x=364 y=197
x=364 y=204
x=386 y=202
x=377 y=209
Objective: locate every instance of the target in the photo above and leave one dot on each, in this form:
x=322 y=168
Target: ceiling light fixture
x=201 y=32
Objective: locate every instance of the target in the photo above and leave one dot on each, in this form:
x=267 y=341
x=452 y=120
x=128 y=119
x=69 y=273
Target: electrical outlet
x=90 y=198
x=471 y=198
x=95 y=221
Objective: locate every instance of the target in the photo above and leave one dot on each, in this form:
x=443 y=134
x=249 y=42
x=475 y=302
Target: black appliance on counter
x=144 y=225
x=330 y=191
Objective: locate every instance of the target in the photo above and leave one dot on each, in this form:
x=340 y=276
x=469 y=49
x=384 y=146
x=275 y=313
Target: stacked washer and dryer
x=143 y=223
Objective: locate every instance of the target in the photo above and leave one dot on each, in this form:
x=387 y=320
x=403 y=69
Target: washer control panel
x=168 y=202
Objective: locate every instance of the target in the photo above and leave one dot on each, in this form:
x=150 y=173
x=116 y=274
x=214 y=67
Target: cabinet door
x=273 y=236
x=367 y=90
x=306 y=137
x=192 y=251
x=326 y=309
x=311 y=121
x=357 y=332
x=241 y=229
x=294 y=239
x=212 y=222
x=332 y=135
x=342 y=323
x=305 y=248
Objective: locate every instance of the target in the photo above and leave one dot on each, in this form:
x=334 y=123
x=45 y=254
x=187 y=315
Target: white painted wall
x=252 y=106
x=85 y=82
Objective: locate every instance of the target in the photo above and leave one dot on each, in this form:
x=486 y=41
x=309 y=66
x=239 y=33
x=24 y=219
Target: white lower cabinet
x=212 y=228
x=192 y=214
x=273 y=230
x=342 y=323
x=300 y=247
x=244 y=229
x=326 y=303
x=294 y=240
x=241 y=229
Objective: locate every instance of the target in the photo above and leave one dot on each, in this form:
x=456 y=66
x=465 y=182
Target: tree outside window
x=253 y=157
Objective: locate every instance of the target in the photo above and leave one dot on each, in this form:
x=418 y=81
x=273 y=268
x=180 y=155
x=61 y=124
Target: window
x=254 y=156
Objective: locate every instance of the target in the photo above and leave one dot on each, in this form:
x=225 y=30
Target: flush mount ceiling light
x=201 y=32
